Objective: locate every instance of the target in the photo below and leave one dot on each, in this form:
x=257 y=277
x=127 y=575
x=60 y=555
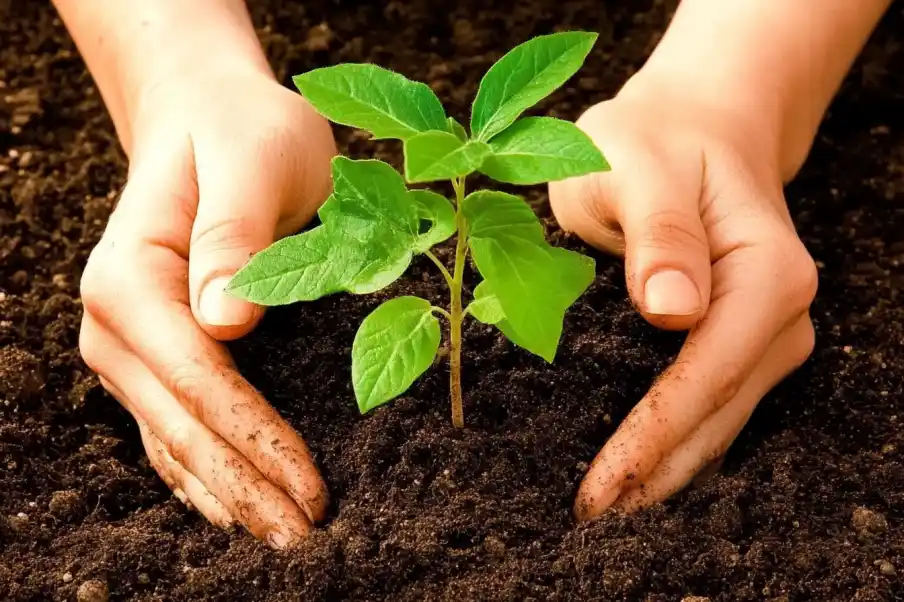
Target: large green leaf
x=394 y=345
x=438 y=155
x=542 y=149
x=372 y=98
x=534 y=282
x=524 y=76
x=371 y=227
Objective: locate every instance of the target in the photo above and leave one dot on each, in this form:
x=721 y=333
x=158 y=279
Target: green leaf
x=441 y=156
x=524 y=76
x=485 y=306
x=436 y=209
x=542 y=149
x=370 y=230
x=296 y=268
x=457 y=129
x=372 y=98
x=534 y=282
x=394 y=345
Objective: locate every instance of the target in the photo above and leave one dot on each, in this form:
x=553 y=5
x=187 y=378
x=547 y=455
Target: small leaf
x=372 y=98
x=441 y=156
x=524 y=76
x=485 y=306
x=436 y=209
x=457 y=129
x=296 y=268
x=394 y=345
x=370 y=230
x=542 y=149
x=534 y=282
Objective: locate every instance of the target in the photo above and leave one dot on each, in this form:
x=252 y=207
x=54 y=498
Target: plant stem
x=455 y=311
x=441 y=267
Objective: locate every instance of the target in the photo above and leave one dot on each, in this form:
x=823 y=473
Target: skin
x=224 y=160
x=701 y=142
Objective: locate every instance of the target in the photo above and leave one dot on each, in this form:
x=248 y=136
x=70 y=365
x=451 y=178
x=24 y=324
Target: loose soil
x=422 y=512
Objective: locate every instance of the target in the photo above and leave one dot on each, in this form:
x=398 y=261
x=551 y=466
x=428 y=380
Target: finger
x=246 y=193
x=709 y=442
x=667 y=256
x=147 y=307
x=647 y=207
x=718 y=357
x=264 y=509
x=193 y=492
x=185 y=486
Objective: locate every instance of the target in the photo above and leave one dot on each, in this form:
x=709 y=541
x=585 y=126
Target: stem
x=455 y=312
x=441 y=267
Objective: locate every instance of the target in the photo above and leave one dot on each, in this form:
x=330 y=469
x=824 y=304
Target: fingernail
x=180 y=495
x=218 y=308
x=279 y=539
x=671 y=293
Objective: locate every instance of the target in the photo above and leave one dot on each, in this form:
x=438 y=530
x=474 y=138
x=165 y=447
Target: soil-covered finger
x=248 y=496
x=709 y=442
x=185 y=485
x=199 y=373
x=716 y=360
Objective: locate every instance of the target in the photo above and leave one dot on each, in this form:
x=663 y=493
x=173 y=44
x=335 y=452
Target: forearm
x=776 y=62
x=130 y=46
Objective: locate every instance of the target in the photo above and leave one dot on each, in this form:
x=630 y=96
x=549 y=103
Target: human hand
x=694 y=202
x=222 y=163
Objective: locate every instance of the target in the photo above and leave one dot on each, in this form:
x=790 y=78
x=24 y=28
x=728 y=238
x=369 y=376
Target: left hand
x=694 y=202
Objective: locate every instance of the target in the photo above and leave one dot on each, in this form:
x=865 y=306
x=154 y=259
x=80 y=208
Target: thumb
x=667 y=258
x=236 y=218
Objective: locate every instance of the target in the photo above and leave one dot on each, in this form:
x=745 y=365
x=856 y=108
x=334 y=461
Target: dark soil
x=422 y=512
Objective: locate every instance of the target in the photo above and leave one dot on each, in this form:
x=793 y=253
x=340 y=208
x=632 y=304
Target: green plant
x=372 y=225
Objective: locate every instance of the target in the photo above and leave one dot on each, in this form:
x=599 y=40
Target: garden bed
x=422 y=511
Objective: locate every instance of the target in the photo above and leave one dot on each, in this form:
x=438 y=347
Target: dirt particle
x=695 y=599
x=67 y=577
x=69 y=504
x=867 y=521
x=93 y=591
x=18 y=523
x=494 y=546
x=887 y=568
x=21 y=374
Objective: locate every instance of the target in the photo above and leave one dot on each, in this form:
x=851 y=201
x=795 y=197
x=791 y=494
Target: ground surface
x=422 y=512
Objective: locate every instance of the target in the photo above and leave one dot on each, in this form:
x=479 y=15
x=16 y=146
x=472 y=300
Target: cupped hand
x=695 y=204
x=220 y=166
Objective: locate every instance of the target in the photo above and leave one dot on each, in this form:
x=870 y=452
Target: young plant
x=373 y=225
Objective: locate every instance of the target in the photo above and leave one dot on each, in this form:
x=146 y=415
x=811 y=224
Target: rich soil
x=422 y=512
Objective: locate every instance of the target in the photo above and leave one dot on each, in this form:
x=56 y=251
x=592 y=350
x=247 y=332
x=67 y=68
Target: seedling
x=372 y=225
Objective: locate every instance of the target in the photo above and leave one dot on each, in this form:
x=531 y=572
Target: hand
x=694 y=202
x=222 y=164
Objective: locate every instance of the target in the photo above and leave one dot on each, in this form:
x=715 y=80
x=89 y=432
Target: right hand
x=694 y=202
x=222 y=163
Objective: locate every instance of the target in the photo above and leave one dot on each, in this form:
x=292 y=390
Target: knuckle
x=178 y=443
x=90 y=348
x=668 y=229
x=106 y=276
x=225 y=234
x=804 y=342
x=797 y=277
x=187 y=385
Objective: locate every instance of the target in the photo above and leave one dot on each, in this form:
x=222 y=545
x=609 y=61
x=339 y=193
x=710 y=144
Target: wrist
x=176 y=47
